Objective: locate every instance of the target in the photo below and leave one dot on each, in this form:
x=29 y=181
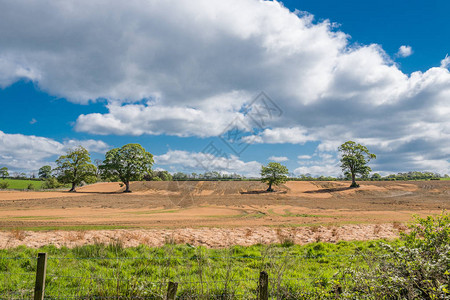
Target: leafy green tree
x=75 y=167
x=158 y=176
x=128 y=163
x=4 y=172
x=274 y=174
x=164 y=175
x=375 y=176
x=45 y=172
x=354 y=160
x=180 y=176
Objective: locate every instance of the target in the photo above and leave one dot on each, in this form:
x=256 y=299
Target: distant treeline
x=214 y=176
x=415 y=175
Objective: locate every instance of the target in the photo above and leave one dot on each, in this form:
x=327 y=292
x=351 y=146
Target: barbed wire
x=307 y=256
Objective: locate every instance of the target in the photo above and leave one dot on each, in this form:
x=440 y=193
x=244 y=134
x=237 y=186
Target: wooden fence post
x=39 y=288
x=172 y=290
x=263 y=286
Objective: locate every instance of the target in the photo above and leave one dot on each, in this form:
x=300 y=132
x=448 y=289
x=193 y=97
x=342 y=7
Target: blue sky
x=173 y=76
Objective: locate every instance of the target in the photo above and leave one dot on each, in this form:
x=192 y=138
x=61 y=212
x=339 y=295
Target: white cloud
x=445 y=62
x=209 y=118
x=201 y=162
x=278 y=158
x=293 y=135
x=197 y=62
x=320 y=164
x=91 y=145
x=404 y=51
x=29 y=152
x=304 y=157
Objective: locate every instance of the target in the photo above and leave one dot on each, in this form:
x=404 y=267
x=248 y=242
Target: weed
x=18 y=234
x=376 y=229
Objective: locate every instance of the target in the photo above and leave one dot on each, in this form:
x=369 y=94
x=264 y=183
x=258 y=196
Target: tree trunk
x=73 y=187
x=269 y=189
x=127 y=187
x=354 y=184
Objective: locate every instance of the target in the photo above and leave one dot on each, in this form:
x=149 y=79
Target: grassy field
x=22 y=184
x=295 y=272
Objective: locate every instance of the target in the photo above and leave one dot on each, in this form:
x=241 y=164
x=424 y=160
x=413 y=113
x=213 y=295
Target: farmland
x=204 y=213
x=22 y=184
x=213 y=238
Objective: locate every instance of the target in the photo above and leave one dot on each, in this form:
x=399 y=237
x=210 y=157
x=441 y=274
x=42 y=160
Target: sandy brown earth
x=184 y=208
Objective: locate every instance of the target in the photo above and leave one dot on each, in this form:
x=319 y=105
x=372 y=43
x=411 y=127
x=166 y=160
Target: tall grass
x=111 y=270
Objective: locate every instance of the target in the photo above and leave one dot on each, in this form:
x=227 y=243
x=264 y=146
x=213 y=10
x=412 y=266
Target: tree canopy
x=354 y=160
x=274 y=174
x=75 y=167
x=4 y=172
x=158 y=176
x=128 y=163
x=45 y=172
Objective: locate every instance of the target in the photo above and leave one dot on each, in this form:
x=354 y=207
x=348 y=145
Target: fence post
x=263 y=286
x=39 y=288
x=172 y=290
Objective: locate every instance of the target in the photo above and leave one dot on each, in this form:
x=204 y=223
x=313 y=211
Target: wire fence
x=196 y=276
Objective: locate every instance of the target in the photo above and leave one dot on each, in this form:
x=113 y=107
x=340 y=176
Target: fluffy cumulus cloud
x=187 y=68
x=205 y=162
x=155 y=117
x=29 y=152
x=404 y=51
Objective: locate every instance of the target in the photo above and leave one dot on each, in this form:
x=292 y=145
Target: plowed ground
x=223 y=204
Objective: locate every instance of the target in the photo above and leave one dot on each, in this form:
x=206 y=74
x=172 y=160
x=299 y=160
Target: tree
x=354 y=160
x=164 y=175
x=274 y=174
x=4 y=172
x=128 y=163
x=158 y=176
x=180 y=176
x=75 y=167
x=375 y=176
x=45 y=172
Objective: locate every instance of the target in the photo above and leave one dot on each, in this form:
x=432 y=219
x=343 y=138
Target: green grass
x=100 y=270
x=22 y=184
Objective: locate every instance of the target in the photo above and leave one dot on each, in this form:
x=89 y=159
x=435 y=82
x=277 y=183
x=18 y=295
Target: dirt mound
x=204 y=188
x=101 y=187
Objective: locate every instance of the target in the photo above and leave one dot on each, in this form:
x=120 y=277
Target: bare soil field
x=192 y=209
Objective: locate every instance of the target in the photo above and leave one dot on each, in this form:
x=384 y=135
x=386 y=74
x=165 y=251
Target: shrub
x=4 y=185
x=51 y=183
x=30 y=187
x=418 y=268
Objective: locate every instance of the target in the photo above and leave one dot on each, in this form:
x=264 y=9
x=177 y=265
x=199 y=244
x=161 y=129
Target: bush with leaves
x=4 y=185
x=418 y=268
x=51 y=183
